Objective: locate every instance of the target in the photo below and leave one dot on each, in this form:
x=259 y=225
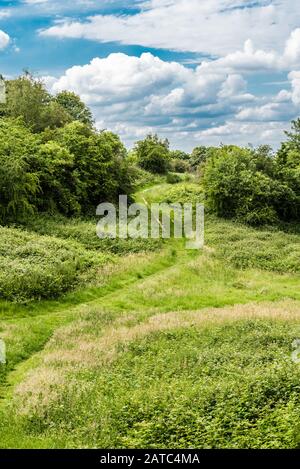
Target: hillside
x=140 y=344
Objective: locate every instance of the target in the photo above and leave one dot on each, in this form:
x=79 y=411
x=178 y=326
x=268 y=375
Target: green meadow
x=150 y=345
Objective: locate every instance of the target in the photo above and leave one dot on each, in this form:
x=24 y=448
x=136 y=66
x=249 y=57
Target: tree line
x=53 y=159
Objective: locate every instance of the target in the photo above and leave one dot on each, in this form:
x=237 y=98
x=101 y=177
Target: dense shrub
x=288 y=163
x=180 y=166
x=237 y=184
x=184 y=193
x=35 y=267
x=244 y=247
x=58 y=179
x=229 y=384
x=179 y=155
x=83 y=231
x=143 y=178
x=52 y=159
x=28 y=98
x=99 y=165
x=173 y=178
x=69 y=170
x=19 y=183
x=153 y=154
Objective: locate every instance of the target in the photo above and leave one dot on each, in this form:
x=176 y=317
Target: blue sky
x=195 y=71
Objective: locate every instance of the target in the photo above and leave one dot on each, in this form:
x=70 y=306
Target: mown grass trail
x=176 y=348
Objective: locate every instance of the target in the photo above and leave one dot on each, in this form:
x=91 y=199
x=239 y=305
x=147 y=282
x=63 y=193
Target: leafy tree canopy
x=27 y=97
x=76 y=109
x=153 y=154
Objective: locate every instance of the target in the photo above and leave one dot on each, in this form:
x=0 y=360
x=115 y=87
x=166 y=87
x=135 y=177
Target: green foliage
x=180 y=166
x=184 y=193
x=135 y=384
x=241 y=184
x=35 y=267
x=100 y=166
x=143 y=178
x=244 y=247
x=153 y=154
x=74 y=107
x=28 y=98
x=58 y=179
x=288 y=162
x=179 y=155
x=83 y=231
x=173 y=178
x=198 y=156
x=69 y=170
x=294 y=135
x=227 y=385
x=19 y=182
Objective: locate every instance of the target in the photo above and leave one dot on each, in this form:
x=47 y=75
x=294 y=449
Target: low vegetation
x=35 y=267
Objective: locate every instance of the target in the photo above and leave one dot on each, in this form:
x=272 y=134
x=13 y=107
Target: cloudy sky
x=195 y=71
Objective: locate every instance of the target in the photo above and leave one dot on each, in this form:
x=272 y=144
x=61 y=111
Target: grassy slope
x=143 y=360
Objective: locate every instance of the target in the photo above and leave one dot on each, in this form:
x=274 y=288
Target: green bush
x=33 y=267
x=27 y=97
x=58 y=179
x=69 y=170
x=143 y=178
x=184 y=193
x=100 y=166
x=173 y=178
x=153 y=154
x=83 y=231
x=19 y=182
x=235 y=187
x=66 y=165
x=180 y=166
x=244 y=247
x=288 y=162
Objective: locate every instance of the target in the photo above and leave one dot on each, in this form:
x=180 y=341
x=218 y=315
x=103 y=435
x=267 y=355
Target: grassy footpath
x=173 y=348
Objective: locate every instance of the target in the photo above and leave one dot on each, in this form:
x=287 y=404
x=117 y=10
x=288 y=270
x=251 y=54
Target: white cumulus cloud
x=218 y=99
x=134 y=95
x=216 y=27
x=4 y=39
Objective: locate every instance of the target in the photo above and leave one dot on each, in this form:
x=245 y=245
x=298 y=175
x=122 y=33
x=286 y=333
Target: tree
x=73 y=105
x=180 y=166
x=288 y=172
x=292 y=145
x=294 y=135
x=28 y=98
x=179 y=155
x=19 y=183
x=153 y=154
x=99 y=166
x=198 y=156
x=69 y=170
x=57 y=179
x=263 y=158
x=236 y=187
